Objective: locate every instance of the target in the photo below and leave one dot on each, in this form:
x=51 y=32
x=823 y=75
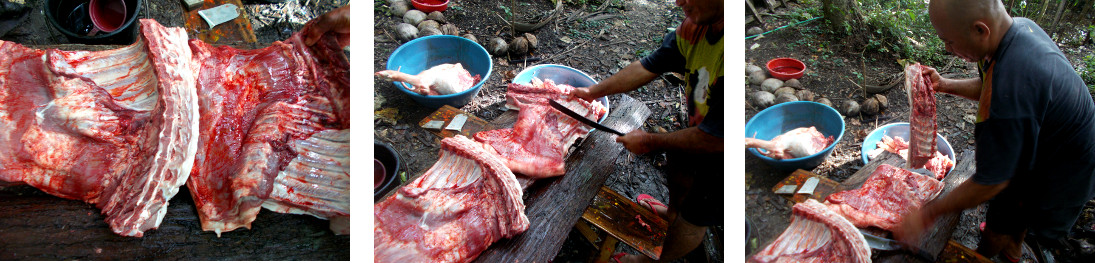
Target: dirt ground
x=832 y=73
x=594 y=37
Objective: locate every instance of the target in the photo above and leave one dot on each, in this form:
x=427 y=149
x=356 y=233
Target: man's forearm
x=627 y=79
x=966 y=195
x=691 y=139
x=966 y=88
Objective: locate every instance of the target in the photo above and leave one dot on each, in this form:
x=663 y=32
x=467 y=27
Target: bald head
x=971 y=29
x=965 y=12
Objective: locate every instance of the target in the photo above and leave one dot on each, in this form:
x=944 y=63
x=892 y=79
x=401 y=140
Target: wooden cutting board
x=627 y=221
x=446 y=113
x=824 y=188
x=237 y=32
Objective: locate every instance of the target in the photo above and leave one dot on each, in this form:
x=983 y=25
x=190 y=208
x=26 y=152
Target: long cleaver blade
x=220 y=14
x=581 y=118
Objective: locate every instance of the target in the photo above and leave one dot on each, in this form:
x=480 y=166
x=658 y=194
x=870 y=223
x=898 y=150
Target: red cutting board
x=237 y=32
x=824 y=188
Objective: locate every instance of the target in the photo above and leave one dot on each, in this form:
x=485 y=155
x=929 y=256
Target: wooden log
x=38 y=226
x=937 y=236
x=555 y=205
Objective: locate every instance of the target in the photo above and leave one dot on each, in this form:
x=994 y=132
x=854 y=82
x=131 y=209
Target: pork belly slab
x=922 y=125
x=538 y=142
x=114 y=128
x=464 y=203
x=887 y=195
x=816 y=234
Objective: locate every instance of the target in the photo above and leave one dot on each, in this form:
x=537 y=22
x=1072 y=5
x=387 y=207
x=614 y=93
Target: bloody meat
x=816 y=234
x=114 y=128
x=257 y=106
x=922 y=126
x=465 y=202
x=538 y=142
x=888 y=194
x=939 y=164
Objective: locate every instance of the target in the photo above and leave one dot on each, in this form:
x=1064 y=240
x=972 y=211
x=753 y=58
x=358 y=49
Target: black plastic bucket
x=71 y=18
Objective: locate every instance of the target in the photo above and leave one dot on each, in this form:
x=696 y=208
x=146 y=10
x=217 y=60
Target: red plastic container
x=786 y=68
x=428 y=6
x=107 y=15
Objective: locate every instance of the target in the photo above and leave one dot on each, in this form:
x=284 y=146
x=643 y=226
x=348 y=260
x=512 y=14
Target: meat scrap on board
x=123 y=129
x=887 y=195
x=114 y=128
x=922 y=126
x=816 y=234
x=538 y=142
x=465 y=202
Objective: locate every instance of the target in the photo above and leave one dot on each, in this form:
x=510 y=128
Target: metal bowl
x=560 y=75
x=784 y=117
x=901 y=129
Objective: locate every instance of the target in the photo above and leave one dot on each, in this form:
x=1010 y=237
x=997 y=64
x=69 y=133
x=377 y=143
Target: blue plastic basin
x=784 y=117
x=424 y=53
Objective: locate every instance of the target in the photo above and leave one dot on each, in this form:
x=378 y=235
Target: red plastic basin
x=786 y=68
x=428 y=6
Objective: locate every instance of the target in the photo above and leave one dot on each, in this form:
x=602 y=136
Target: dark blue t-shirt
x=1036 y=121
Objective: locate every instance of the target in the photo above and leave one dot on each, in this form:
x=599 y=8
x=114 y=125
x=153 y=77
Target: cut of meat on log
x=922 y=126
x=114 y=128
x=442 y=79
x=800 y=142
x=939 y=164
x=317 y=181
x=465 y=202
x=885 y=197
x=816 y=234
x=257 y=109
x=538 y=142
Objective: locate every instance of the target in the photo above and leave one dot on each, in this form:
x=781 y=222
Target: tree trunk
x=844 y=16
x=1057 y=18
x=1042 y=15
x=1087 y=7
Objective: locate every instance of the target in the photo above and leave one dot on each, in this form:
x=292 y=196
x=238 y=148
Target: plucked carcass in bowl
x=787 y=117
x=422 y=62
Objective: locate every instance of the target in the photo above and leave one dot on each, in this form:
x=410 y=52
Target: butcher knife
x=220 y=14
x=881 y=243
x=581 y=118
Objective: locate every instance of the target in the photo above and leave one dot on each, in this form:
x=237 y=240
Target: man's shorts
x=698 y=179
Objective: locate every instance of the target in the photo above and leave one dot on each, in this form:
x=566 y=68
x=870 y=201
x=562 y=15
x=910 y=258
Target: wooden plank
x=937 y=236
x=38 y=226
x=237 y=32
x=957 y=253
x=446 y=113
x=825 y=186
x=555 y=207
x=627 y=221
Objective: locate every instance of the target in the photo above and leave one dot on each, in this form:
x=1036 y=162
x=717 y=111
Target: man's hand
x=636 y=141
x=966 y=88
x=936 y=80
x=912 y=226
x=336 y=21
x=582 y=93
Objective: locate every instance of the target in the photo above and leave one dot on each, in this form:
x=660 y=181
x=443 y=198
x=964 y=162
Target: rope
x=782 y=27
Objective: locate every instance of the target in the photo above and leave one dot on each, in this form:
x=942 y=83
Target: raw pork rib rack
x=465 y=202
x=888 y=194
x=115 y=128
x=816 y=234
x=273 y=133
x=120 y=128
x=922 y=127
x=538 y=142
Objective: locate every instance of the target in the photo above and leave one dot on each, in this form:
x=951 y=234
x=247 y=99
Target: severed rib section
x=816 y=234
x=922 y=126
x=885 y=197
x=317 y=181
x=465 y=202
x=99 y=127
x=538 y=142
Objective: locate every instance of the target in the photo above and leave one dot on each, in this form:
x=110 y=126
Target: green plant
x=1087 y=72
x=903 y=27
